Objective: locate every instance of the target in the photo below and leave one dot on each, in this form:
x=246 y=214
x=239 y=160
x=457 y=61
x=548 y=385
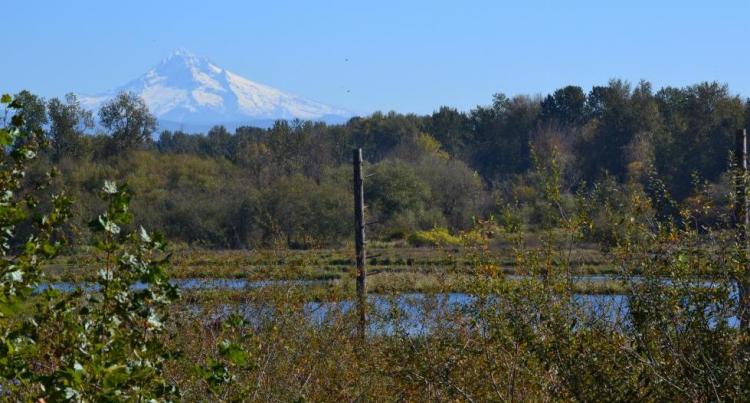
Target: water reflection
x=410 y=314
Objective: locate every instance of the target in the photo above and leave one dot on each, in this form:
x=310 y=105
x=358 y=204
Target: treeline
x=290 y=185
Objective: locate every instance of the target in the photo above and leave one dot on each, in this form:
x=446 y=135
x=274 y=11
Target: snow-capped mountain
x=187 y=91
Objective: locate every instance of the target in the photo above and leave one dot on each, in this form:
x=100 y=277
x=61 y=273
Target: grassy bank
x=322 y=264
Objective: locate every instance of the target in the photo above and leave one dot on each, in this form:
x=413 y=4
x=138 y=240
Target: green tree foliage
x=128 y=120
x=502 y=134
x=456 y=190
x=566 y=107
x=618 y=116
x=701 y=121
x=68 y=121
x=211 y=189
x=379 y=134
x=302 y=213
x=452 y=129
x=398 y=198
x=34 y=111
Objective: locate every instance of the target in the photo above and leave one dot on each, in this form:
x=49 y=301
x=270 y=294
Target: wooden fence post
x=741 y=221
x=359 y=240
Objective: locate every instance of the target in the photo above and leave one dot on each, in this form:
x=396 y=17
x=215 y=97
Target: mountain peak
x=186 y=57
x=182 y=52
x=185 y=89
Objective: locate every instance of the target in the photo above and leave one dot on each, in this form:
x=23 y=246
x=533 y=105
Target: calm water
x=411 y=313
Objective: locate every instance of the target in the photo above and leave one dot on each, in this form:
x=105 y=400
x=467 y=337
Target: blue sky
x=408 y=56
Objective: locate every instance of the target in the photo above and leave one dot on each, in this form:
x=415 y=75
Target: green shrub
x=95 y=344
x=104 y=344
x=434 y=237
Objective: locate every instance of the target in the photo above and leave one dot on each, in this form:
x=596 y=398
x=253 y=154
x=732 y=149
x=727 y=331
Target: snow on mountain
x=187 y=90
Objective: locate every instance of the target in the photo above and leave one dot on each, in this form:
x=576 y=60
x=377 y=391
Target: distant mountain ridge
x=187 y=92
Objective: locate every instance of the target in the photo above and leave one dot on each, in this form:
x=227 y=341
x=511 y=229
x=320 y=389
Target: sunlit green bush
x=434 y=237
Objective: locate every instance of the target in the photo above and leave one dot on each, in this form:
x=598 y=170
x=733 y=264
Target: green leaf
x=49 y=249
x=115 y=375
x=5 y=137
x=233 y=352
x=6 y=98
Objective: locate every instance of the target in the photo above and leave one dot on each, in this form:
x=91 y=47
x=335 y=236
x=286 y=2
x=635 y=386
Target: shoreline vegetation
x=320 y=263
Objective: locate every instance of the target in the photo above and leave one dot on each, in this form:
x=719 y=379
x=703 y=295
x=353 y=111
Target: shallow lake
x=239 y=284
x=410 y=313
